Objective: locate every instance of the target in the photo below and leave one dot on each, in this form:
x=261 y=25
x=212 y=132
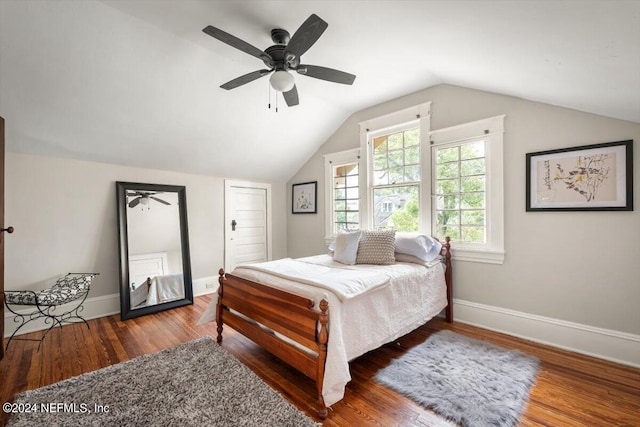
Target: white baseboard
x=205 y=285
x=93 y=308
x=620 y=347
x=96 y=307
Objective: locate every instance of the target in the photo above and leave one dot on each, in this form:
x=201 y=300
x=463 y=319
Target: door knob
x=8 y=230
x=233 y=225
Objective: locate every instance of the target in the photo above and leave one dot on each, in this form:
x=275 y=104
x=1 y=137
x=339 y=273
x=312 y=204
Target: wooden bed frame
x=291 y=315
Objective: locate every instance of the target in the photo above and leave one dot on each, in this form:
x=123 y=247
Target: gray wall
x=64 y=213
x=582 y=267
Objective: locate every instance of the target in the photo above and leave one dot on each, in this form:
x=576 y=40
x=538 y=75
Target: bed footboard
x=261 y=313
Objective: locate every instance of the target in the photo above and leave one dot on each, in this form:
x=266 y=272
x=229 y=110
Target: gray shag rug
x=470 y=382
x=194 y=384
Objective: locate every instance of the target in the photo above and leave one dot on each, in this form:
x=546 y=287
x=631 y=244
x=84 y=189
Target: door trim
x=228 y=184
x=2 y=236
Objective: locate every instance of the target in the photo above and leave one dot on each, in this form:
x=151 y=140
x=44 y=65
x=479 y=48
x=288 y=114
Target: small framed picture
x=595 y=177
x=304 y=198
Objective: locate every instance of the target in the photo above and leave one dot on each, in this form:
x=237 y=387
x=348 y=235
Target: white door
x=247 y=218
x=144 y=266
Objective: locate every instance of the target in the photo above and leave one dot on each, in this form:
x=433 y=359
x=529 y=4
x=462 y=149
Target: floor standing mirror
x=155 y=267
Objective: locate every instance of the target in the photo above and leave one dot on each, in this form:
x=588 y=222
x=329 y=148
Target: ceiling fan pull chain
x=276 y=102
x=269 y=90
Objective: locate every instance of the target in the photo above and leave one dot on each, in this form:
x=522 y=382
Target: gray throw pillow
x=377 y=247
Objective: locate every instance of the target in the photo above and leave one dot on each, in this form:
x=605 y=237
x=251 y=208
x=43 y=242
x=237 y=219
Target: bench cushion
x=66 y=289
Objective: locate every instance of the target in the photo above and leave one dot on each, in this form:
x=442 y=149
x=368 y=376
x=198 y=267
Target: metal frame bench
x=71 y=288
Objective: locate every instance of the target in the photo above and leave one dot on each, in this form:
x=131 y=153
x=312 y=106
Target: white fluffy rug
x=470 y=382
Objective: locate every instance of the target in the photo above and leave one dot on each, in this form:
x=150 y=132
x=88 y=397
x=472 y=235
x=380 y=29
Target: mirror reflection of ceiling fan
x=143 y=198
x=283 y=57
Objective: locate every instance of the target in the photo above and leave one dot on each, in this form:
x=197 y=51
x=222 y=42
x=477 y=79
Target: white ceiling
x=137 y=82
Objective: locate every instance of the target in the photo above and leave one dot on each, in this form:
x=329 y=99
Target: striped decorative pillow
x=377 y=247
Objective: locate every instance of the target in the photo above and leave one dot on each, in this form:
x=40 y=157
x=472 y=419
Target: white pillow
x=346 y=247
x=420 y=246
x=414 y=260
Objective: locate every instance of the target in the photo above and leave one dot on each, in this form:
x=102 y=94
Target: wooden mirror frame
x=125 y=302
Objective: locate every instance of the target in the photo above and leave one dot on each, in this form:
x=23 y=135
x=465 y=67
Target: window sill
x=478 y=255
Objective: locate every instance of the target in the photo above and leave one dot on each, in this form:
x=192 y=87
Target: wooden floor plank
x=571 y=389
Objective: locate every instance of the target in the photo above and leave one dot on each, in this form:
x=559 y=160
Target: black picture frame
x=597 y=177
x=304 y=198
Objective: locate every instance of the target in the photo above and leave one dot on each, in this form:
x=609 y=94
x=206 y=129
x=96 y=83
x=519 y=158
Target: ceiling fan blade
x=245 y=79
x=233 y=41
x=134 y=202
x=160 y=200
x=324 y=73
x=291 y=97
x=308 y=33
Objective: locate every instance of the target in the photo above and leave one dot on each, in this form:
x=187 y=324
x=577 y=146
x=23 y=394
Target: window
x=406 y=177
x=467 y=189
x=394 y=193
x=460 y=192
x=342 y=200
x=346 y=198
x=396 y=179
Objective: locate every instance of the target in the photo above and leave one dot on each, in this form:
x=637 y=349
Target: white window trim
x=492 y=129
x=400 y=120
x=371 y=135
x=338 y=159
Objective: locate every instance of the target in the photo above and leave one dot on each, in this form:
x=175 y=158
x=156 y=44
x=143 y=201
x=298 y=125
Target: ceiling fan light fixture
x=282 y=81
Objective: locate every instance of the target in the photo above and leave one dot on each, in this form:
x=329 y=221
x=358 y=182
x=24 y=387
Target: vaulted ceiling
x=137 y=82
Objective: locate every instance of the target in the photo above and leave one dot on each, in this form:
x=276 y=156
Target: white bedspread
x=343 y=281
x=409 y=295
x=166 y=288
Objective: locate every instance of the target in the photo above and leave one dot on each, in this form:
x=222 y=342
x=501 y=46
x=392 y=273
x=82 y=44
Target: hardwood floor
x=571 y=389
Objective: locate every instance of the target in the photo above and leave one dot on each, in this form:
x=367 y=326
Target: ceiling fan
x=143 y=197
x=283 y=57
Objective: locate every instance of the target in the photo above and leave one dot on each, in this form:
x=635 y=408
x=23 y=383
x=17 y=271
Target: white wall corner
x=615 y=346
